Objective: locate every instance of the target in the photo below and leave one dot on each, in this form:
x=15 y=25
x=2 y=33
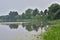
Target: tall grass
x=53 y=33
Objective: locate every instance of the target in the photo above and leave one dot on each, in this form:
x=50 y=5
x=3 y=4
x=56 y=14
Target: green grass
x=55 y=21
x=53 y=32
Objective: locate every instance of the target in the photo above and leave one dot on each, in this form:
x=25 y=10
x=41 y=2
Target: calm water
x=21 y=31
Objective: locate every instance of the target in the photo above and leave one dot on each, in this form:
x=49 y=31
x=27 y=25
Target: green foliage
x=13 y=13
x=28 y=13
x=35 y=12
x=57 y=15
x=53 y=33
x=12 y=16
x=45 y=11
x=53 y=9
x=41 y=12
x=53 y=12
x=23 y=15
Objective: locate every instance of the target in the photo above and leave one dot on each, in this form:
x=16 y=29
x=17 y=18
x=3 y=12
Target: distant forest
x=52 y=13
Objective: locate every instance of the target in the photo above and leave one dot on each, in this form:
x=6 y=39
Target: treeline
x=52 y=13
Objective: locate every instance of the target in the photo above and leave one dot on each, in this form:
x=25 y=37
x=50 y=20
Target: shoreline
x=12 y=22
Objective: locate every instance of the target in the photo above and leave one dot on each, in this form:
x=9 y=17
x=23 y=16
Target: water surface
x=21 y=31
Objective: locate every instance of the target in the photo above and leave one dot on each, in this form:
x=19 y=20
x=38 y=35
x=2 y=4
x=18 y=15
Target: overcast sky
x=22 y=5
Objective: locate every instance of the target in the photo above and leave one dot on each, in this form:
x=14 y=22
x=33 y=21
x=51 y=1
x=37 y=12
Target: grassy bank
x=53 y=33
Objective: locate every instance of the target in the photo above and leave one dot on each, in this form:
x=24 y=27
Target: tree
x=23 y=16
x=53 y=9
x=28 y=13
x=13 y=13
x=45 y=11
x=41 y=12
x=57 y=15
x=12 y=16
x=35 y=12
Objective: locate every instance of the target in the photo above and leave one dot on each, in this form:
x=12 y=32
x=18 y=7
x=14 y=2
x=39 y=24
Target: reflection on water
x=13 y=26
x=24 y=31
x=31 y=27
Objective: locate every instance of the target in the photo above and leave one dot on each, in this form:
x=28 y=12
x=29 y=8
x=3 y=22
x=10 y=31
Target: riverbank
x=53 y=32
x=12 y=22
x=32 y=21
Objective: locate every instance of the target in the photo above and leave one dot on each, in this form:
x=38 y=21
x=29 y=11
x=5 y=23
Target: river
x=21 y=31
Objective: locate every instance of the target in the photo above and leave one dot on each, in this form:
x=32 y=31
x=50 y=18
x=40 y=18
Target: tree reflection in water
x=31 y=27
x=13 y=26
x=35 y=27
